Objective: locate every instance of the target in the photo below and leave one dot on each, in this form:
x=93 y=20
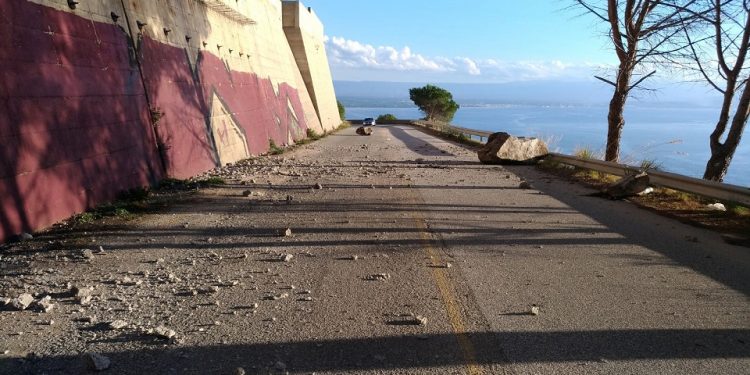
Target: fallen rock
x=45 y=304
x=22 y=302
x=717 y=207
x=378 y=277
x=163 y=333
x=534 y=310
x=86 y=254
x=503 y=148
x=286 y=258
x=525 y=185
x=627 y=186
x=286 y=232
x=117 y=324
x=97 y=362
x=318 y=186
x=363 y=130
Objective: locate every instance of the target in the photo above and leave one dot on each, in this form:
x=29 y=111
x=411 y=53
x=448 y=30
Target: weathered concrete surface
x=305 y=34
x=618 y=289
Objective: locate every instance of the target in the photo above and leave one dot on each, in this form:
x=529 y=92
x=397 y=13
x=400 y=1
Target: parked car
x=369 y=121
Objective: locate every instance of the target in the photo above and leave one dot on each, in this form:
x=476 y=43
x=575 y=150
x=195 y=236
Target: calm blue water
x=676 y=138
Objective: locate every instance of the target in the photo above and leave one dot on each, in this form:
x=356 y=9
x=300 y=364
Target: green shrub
x=274 y=149
x=386 y=118
x=342 y=110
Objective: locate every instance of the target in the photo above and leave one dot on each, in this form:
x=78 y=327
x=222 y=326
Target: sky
x=482 y=41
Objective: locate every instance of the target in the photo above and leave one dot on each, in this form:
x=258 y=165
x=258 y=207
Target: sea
x=673 y=137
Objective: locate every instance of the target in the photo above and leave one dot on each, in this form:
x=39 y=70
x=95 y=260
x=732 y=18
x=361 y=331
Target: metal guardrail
x=712 y=189
x=717 y=190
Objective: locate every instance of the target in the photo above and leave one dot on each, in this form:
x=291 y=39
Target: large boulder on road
x=503 y=148
x=364 y=130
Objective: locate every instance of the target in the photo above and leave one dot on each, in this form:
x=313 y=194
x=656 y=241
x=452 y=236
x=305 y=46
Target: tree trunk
x=722 y=153
x=616 y=118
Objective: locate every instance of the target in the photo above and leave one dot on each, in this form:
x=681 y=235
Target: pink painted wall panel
x=75 y=113
x=74 y=126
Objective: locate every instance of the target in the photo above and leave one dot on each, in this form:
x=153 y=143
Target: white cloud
x=353 y=55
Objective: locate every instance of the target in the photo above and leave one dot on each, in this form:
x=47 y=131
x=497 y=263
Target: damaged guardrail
x=717 y=190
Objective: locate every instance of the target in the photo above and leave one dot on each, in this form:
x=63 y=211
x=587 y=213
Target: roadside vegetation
x=707 y=41
x=686 y=207
x=386 y=118
x=436 y=103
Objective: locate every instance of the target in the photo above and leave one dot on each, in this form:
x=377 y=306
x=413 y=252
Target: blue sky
x=450 y=41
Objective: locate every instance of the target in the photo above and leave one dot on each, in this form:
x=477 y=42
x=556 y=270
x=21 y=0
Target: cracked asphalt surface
x=403 y=228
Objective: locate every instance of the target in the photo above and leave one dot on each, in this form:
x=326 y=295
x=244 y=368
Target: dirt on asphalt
x=396 y=253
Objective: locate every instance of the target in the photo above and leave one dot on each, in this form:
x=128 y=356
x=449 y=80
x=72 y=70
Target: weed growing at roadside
x=273 y=149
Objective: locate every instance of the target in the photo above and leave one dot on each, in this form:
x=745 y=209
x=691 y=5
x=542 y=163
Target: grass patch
x=213 y=180
x=274 y=149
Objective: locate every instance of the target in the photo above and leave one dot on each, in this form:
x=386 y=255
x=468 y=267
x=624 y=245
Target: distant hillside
x=396 y=94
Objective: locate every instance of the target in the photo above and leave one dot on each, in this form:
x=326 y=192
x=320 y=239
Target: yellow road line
x=449 y=299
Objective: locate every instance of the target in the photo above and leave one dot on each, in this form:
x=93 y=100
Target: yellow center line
x=449 y=299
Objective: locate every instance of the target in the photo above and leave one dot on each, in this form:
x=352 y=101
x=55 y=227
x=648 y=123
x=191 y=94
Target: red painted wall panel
x=75 y=121
x=74 y=126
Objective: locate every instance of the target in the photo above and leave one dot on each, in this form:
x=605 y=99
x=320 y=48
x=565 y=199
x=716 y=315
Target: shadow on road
x=415 y=352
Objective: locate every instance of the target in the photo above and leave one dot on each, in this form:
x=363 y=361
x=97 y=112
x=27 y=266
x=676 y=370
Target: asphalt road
x=615 y=289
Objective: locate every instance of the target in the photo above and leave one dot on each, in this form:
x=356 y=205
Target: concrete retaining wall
x=118 y=94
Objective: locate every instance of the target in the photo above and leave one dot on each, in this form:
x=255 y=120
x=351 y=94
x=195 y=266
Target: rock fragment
x=534 y=310
x=378 y=277
x=97 y=362
x=86 y=254
x=318 y=186
x=286 y=258
x=45 y=304
x=286 y=232
x=117 y=324
x=22 y=302
x=163 y=333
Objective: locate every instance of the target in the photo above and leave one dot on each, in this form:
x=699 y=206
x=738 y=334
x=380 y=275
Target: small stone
x=378 y=277
x=22 y=302
x=87 y=254
x=164 y=333
x=247 y=193
x=717 y=207
x=354 y=257
x=45 y=304
x=25 y=237
x=209 y=289
x=239 y=371
x=305 y=299
x=286 y=232
x=277 y=297
x=420 y=320
x=97 y=362
x=117 y=324
x=286 y=258
x=534 y=310
x=524 y=185
x=86 y=300
x=318 y=186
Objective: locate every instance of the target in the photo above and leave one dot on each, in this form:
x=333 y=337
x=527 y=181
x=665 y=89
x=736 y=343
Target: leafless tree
x=719 y=55
x=642 y=32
